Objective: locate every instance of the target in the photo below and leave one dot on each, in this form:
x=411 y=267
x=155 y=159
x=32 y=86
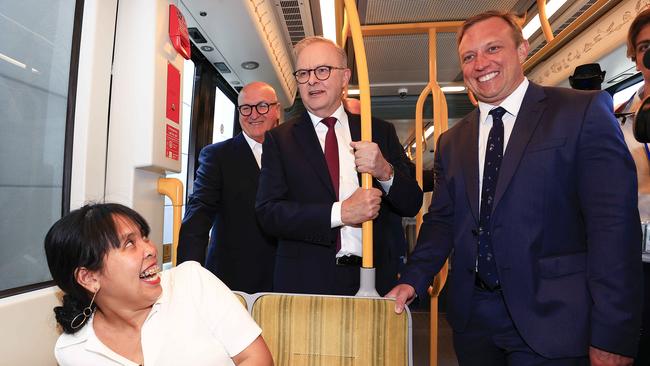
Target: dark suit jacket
x=295 y=198
x=240 y=254
x=565 y=227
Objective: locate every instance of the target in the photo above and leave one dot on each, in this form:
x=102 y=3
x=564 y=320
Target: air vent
x=197 y=37
x=295 y=16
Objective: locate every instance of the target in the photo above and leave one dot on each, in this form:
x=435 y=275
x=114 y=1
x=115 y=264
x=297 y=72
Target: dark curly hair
x=82 y=238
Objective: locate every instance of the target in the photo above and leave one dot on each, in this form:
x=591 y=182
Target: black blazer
x=294 y=203
x=224 y=200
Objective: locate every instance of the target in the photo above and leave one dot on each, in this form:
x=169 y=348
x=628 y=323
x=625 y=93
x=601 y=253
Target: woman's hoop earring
x=79 y=320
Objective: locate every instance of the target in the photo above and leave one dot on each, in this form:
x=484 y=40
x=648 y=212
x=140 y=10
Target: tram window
x=36 y=38
x=224 y=110
x=624 y=95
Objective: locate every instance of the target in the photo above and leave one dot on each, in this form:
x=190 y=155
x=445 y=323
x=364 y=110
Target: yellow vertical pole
x=173 y=188
x=366 y=118
x=543 y=20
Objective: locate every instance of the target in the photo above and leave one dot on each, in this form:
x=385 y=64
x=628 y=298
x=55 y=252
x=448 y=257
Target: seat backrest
x=333 y=330
x=242 y=298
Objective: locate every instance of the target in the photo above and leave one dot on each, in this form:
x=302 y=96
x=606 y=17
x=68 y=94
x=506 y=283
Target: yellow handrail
x=366 y=118
x=543 y=20
x=419 y=116
x=173 y=188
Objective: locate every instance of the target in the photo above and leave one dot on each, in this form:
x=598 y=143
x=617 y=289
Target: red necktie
x=332 y=159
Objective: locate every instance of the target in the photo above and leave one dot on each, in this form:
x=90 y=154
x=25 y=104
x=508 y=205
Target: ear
x=522 y=51
x=347 y=74
x=87 y=279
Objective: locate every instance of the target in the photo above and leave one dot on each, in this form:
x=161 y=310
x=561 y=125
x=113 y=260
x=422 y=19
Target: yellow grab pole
x=543 y=20
x=345 y=31
x=419 y=112
x=173 y=188
x=366 y=118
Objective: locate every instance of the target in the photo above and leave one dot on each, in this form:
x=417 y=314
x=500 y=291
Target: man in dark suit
x=535 y=199
x=240 y=254
x=309 y=195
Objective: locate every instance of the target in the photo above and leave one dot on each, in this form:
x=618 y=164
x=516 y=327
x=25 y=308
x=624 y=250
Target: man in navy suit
x=535 y=201
x=240 y=254
x=309 y=195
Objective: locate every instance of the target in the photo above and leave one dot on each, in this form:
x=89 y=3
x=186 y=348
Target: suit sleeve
x=435 y=239
x=607 y=187
x=405 y=195
x=201 y=208
x=282 y=217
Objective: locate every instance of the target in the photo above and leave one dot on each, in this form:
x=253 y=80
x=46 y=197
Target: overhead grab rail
x=173 y=188
x=572 y=30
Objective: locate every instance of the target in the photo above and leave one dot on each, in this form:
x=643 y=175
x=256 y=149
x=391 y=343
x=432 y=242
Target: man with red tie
x=309 y=195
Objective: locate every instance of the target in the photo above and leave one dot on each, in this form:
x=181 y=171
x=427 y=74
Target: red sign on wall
x=173 y=93
x=172 y=143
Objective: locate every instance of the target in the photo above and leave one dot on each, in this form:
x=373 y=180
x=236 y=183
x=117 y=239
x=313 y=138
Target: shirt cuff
x=385 y=185
x=335 y=216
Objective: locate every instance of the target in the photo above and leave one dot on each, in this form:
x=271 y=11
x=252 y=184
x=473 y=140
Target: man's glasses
x=261 y=108
x=321 y=73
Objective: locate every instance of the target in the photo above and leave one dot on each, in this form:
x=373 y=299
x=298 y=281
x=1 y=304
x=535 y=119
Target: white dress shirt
x=256 y=147
x=348 y=179
x=511 y=104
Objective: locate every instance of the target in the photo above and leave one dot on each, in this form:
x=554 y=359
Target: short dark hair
x=513 y=20
x=642 y=19
x=82 y=238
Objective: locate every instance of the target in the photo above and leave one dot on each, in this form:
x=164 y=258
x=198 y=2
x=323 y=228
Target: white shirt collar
x=252 y=143
x=511 y=104
x=339 y=114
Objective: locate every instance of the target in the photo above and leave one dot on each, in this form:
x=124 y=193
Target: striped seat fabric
x=331 y=331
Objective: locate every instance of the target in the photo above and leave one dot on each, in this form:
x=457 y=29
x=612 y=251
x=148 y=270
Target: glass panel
x=224 y=110
x=35 y=50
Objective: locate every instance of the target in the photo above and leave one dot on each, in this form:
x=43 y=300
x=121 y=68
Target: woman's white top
x=197 y=321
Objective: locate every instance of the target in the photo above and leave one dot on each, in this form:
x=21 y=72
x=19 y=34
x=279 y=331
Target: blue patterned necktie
x=487 y=269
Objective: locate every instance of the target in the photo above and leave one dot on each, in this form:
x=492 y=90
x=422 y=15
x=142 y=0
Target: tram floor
x=446 y=355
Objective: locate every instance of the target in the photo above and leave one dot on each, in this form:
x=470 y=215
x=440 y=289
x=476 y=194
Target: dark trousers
x=643 y=355
x=491 y=338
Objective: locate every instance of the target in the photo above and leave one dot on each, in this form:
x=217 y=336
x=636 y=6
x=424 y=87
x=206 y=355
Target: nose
x=481 y=62
x=312 y=78
x=150 y=249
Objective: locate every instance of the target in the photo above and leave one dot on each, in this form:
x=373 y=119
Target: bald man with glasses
x=223 y=200
x=309 y=195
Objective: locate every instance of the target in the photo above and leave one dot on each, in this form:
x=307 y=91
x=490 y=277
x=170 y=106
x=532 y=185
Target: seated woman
x=120 y=309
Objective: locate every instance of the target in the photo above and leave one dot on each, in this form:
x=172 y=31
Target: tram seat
x=241 y=296
x=333 y=330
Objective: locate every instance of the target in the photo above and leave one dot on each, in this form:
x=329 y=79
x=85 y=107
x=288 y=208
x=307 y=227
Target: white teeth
x=150 y=272
x=487 y=77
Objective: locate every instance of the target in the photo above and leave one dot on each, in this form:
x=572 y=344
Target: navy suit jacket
x=565 y=226
x=240 y=254
x=294 y=204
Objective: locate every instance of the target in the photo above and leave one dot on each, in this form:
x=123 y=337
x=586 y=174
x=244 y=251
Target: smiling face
x=491 y=60
x=129 y=277
x=255 y=125
x=322 y=97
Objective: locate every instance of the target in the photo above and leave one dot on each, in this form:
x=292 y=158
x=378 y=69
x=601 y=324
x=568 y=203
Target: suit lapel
x=244 y=154
x=306 y=137
x=470 y=160
x=530 y=113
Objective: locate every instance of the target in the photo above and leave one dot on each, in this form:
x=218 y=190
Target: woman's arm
x=256 y=354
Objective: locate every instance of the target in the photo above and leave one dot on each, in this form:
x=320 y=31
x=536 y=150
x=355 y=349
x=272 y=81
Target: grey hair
x=314 y=39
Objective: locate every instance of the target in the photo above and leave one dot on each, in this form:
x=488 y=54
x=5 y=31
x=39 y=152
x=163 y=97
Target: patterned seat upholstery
x=333 y=330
